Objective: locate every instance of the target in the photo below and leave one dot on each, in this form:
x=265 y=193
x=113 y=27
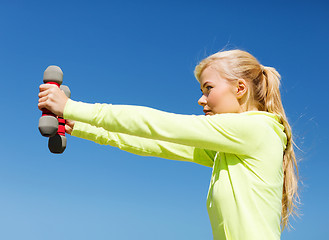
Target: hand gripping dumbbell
x=49 y=124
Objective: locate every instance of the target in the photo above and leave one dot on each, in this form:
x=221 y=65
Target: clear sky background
x=144 y=53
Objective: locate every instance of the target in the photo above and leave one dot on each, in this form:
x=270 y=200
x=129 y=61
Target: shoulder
x=253 y=126
x=252 y=120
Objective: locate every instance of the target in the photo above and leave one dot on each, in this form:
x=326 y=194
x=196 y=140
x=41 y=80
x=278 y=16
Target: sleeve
x=231 y=133
x=144 y=146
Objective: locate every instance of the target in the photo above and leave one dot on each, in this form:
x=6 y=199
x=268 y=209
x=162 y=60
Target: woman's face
x=219 y=96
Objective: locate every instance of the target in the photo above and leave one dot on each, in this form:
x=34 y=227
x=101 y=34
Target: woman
x=244 y=136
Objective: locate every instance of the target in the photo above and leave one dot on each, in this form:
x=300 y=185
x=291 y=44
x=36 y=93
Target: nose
x=202 y=100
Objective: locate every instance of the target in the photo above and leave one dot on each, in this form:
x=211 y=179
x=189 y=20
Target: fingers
x=69 y=124
x=43 y=95
x=43 y=103
x=44 y=87
x=68 y=129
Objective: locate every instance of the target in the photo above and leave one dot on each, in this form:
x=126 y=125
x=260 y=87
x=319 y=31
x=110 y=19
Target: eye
x=209 y=88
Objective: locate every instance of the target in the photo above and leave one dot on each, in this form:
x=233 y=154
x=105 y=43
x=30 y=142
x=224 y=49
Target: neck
x=248 y=107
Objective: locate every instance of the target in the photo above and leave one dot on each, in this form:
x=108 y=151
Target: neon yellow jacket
x=245 y=151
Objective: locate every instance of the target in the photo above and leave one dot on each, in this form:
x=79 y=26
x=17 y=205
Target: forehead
x=210 y=74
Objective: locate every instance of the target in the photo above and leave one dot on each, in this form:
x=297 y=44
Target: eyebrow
x=205 y=84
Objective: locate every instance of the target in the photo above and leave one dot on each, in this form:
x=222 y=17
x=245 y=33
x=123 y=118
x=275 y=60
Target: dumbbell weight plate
x=57 y=143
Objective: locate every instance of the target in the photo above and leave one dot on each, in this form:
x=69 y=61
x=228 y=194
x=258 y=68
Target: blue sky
x=144 y=53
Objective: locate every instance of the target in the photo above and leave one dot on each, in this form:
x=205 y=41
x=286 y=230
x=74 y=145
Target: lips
x=207 y=112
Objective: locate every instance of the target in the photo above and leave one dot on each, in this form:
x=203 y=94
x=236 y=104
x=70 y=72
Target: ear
x=241 y=88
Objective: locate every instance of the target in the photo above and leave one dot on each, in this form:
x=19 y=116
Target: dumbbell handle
x=46 y=112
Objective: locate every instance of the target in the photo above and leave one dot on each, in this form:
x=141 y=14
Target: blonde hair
x=263 y=91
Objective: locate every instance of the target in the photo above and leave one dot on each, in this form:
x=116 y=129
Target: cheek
x=220 y=99
x=214 y=98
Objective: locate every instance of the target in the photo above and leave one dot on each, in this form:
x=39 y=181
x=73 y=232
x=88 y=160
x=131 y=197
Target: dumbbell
x=49 y=124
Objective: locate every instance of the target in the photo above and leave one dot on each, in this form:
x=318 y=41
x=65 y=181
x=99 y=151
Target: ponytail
x=272 y=102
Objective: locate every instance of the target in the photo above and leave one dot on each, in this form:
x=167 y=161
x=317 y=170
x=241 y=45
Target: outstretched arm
x=144 y=146
x=231 y=133
x=55 y=100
